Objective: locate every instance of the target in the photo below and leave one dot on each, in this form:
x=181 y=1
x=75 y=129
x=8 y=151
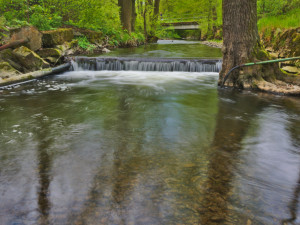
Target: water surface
x=169 y=49
x=132 y=147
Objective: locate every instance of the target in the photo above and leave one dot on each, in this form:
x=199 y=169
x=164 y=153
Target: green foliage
x=291 y=19
x=276 y=7
x=167 y=34
x=208 y=13
x=138 y=37
x=103 y=15
x=43 y=19
x=85 y=44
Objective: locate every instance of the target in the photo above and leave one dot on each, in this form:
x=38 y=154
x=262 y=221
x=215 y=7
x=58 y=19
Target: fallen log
x=32 y=76
x=14 y=44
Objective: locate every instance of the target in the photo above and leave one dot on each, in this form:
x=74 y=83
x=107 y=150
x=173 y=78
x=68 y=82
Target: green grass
x=289 y=20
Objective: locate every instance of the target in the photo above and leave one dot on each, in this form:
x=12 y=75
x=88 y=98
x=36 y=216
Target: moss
x=254 y=85
x=73 y=43
x=5 y=66
x=57 y=37
x=30 y=59
x=6 y=70
x=262 y=54
x=49 y=52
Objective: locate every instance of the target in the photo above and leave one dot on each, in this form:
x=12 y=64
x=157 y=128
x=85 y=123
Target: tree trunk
x=214 y=20
x=241 y=44
x=240 y=35
x=127 y=14
x=156 y=9
x=145 y=21
x=133 y=16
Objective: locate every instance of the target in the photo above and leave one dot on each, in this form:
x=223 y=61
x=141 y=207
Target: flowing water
x=138 y=147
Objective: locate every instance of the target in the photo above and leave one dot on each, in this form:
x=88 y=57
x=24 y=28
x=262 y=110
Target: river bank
x=48 y=49
x=26 y=52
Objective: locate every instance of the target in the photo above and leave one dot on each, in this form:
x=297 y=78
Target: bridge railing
x=165 y=18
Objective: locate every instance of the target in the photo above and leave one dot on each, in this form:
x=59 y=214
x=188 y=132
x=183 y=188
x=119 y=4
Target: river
x=148 y=147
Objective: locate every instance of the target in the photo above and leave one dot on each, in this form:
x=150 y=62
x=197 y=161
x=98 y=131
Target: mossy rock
x=68 y=48
x=31 y=33
x=29 y=59
x=57 y=37
x=7 y=71
x=7 y=55
x=49 y=52
x=93 y=36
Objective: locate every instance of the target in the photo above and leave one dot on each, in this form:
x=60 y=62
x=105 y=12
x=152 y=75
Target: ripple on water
x=146 y=148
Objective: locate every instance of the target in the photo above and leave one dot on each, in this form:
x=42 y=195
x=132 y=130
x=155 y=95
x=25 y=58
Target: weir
x=146 y=64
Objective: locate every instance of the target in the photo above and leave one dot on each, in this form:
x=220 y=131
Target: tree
x=242 y=44
x=127 y=14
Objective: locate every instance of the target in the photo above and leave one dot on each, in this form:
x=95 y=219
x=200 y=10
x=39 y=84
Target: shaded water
x=125 y=147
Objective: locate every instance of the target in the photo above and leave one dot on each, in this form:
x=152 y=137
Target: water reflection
x=169 y=49
x=44 y=166
x=152 y=150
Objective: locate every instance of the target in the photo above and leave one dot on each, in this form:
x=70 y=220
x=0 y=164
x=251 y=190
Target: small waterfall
x=146 y=64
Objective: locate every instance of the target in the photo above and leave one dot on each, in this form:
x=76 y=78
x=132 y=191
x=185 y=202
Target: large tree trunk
x=240 y=35
x=242 y=45
x=127 y=14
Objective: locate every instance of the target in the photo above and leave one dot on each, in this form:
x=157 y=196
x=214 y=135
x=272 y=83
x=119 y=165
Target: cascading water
x=146 y=64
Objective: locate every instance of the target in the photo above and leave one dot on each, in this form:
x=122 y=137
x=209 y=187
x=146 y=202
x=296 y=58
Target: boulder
x=68 y=48
x=49 y=52
x=51 y=55
x=57 y=37
x=93 y=36
x=291 y=69
x=105 y=50
x=31 y=33
x=10 y=57
x=7 y=71
x=29 y=59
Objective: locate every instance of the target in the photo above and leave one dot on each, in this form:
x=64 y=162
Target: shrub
x=85 y=44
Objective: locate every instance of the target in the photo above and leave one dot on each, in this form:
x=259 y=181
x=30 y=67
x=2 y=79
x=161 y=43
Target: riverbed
x=147 y=147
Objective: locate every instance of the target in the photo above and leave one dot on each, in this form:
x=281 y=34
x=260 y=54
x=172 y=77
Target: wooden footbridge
x=184 y=22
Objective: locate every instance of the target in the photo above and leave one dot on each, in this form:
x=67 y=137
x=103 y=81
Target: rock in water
x=105 y=50
x=29 y=59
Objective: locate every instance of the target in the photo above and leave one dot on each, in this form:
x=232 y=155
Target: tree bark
x=133 y=15
x=240 y=35
x=127 y=14
x=214 y=20
x=241 y=44
x=156 y=8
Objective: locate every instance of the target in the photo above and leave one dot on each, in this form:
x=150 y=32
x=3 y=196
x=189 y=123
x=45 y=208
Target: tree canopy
x=140 y=16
